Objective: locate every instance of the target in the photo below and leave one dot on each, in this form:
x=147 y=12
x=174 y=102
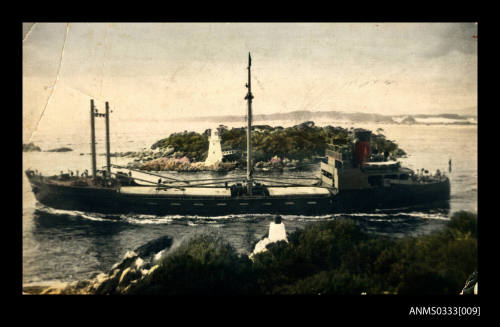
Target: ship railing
x=429 y=178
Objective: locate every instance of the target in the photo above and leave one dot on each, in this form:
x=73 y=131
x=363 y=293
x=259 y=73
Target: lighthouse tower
x=214 y=149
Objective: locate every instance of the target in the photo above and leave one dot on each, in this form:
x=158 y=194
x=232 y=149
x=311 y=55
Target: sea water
x=63 y=246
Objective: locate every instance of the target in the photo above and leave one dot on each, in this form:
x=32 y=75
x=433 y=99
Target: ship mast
x=94 y=113
x=249 y=98
x=108 y=154
x=92 y=138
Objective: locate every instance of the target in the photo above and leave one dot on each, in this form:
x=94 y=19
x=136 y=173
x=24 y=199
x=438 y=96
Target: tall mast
x=108 y=155
x=249 y=98
x=92 y=138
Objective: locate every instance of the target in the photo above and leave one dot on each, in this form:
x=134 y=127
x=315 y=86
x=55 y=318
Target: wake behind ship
x=351 y=179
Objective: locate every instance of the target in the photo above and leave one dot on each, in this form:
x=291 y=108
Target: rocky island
x=274 y=148
x=61 y=149
x=31 y=147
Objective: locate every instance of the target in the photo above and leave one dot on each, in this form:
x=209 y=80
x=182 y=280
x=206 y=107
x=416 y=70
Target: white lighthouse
x=214 y=149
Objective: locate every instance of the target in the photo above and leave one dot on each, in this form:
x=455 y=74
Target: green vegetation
x=333 y=257
x=299 y=142
x=204 y=265
x=380 y=145
x=192 y=144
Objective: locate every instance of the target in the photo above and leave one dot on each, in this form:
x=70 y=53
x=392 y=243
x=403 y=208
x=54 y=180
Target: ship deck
x=187 y=191
x=221 y=192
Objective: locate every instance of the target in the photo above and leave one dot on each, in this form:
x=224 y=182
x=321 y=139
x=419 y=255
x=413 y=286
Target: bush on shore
x=333 y=257
x=206 y=265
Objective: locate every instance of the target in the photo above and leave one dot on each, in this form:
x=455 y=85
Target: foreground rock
x=134 y=266
x=471 y=285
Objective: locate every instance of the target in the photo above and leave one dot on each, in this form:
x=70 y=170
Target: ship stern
x=34 y=181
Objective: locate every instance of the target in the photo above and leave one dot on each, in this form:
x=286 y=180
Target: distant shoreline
x=355 y=117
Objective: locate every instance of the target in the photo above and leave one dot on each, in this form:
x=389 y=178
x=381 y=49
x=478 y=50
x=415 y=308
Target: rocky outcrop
x=471 y=285
x=31 y=147
x=134 y=266
x=183 y=164
x=62 y=149
x=146 y=155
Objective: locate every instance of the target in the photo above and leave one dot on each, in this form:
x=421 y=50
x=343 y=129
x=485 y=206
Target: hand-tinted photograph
x=250 y=158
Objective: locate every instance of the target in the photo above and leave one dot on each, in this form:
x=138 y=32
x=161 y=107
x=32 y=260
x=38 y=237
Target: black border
x=251 y=309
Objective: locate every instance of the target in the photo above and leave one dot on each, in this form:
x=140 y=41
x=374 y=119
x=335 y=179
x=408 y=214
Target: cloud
x=175 y=69
x=459 y=37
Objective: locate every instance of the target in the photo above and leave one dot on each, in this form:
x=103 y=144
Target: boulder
x=109 y=285
x=471 y=285
x=133 y=267
x=154 y=246
x=128 y=276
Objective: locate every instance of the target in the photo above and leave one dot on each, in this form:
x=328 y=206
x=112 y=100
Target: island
x=275 y=147
x=61 y=149
x=30 y=147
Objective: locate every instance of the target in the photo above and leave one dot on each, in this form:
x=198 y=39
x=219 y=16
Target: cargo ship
x=348 y=181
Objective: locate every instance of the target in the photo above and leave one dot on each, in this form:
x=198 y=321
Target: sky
x=155 y=71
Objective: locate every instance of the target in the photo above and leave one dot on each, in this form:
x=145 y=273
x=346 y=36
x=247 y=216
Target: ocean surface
x=64 y=246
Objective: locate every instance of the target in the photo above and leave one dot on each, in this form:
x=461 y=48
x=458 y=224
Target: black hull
x=111 y=201
x=394 y=196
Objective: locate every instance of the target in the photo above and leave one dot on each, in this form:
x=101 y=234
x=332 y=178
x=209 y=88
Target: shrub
x=203 y=265
x=332 y=257
x=192 y=144
x=333 y=282
x=464 y=222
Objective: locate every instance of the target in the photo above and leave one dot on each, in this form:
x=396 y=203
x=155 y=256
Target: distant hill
x=409 y=120
x=345 y=116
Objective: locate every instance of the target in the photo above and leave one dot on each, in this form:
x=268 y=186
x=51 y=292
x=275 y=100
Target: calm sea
x=62 y=246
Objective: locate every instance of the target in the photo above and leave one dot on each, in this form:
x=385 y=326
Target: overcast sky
x=158 y=71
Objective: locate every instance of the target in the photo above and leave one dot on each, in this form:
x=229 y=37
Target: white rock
x=158 y=256
x=139 y=263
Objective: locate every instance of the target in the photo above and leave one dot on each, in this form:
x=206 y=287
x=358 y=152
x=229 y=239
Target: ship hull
x=393 y=196
x=112 y=201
